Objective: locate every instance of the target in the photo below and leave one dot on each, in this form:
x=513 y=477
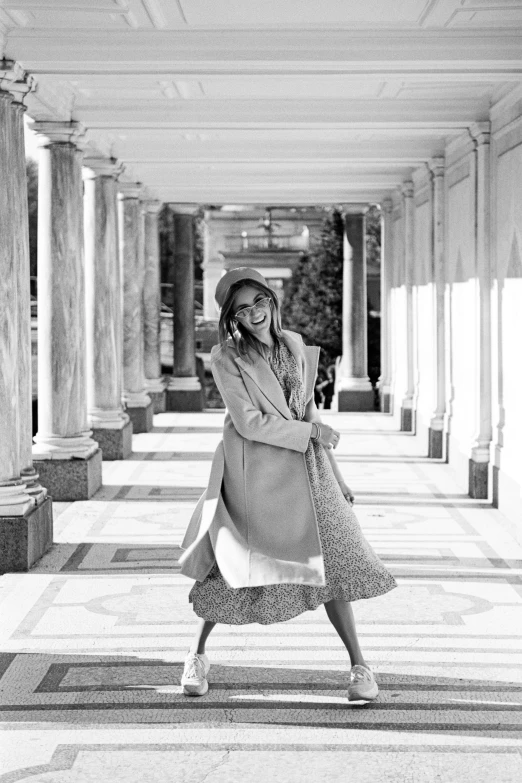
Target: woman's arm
x=312 y=414
x=248 y=420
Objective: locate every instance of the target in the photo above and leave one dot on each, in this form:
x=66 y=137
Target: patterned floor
x=92 y=641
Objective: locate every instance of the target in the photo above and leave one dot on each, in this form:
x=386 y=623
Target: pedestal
x=407 y=419
x=159 y=400
x=435 y=443
x=354 y=399
x=71 y=479
x=141 y=417
x=386 y=402
x=185 y=395
x=23 y=540
x=115 y=443
x=478 y=480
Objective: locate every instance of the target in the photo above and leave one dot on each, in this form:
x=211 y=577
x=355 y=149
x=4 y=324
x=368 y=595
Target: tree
x=31 y=169
x=313 y=303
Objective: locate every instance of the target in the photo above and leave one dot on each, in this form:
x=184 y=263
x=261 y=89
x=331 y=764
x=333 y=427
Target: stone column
x=213 y=268
x=437 y=422
x=480 y=451
x=25 y=511
x=184 y=390
x=111 y=426
x=408 y=402
x=67 y=458
x=154 y=381
x=131 y=234
x=385 y=380
x=354 y=390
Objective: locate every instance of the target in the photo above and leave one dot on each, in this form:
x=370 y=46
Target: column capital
x=387 y=206
x=129 y=190
x=16 y=81
x=101 y=167
x=49 y=132
x=437 y=166
x=185 y=209
x=407 y=189
x=152 y=206
x=480 y=132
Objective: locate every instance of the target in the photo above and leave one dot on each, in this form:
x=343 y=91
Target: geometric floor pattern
x=93 y=639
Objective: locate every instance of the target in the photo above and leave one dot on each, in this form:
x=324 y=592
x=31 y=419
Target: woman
x=274 y=534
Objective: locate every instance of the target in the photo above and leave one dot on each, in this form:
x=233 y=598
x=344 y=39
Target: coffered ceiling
x=301 y=101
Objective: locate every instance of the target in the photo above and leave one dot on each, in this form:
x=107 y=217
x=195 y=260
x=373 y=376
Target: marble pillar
x=184 y=391
x=25 y=511
x=213 y=268
x=131 y=234
x=354 y=390
x=385 y=381
x=111 y=426
x=154 y=381
x=437 y=421
x=480 y=450
x=408 y=401
x=66 y=456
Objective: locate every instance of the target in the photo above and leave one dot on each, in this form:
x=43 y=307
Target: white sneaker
x=194 y=678
x=362 y=684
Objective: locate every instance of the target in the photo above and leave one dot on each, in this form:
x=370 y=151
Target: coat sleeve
x=248 y=420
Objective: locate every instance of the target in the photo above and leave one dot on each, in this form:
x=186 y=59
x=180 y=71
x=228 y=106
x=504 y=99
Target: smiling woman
x=274 y=535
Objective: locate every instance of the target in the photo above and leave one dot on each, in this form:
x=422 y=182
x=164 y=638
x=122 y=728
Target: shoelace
x=194 y=668
x=359 y=673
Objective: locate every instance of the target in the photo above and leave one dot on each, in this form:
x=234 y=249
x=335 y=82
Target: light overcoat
x=257 y=517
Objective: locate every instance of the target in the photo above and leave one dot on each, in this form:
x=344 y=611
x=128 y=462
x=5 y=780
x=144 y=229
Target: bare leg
x=202 y=634
x=340 y=614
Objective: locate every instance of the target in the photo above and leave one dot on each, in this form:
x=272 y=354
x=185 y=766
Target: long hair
x=230 y=327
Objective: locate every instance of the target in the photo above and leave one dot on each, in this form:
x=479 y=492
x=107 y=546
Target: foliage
x=313 y=300
x=373 y=236
x=31 y=169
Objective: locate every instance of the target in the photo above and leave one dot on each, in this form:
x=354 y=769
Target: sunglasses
x=246 y=312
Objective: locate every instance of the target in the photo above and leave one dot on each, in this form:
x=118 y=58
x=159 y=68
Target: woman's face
x=256 y=320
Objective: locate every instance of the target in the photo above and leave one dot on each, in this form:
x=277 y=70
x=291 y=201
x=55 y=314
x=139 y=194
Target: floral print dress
x=352 y=569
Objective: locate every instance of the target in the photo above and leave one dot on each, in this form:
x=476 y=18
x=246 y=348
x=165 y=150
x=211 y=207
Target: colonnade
x=99 y=364
x=451 y=294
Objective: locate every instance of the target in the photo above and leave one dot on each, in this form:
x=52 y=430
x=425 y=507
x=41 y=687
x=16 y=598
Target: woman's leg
x=340 y=614
x=202 y=633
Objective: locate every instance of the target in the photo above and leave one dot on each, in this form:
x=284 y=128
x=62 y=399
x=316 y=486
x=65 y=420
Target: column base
x=159 y=400
x=435 y=443
x=185 y=401
x=141 y=417
x=352 y=401
x=23 y=540
x=386 y=402
x=115 y=444
x=71 y=479
x=407 y=420
x=478 y=480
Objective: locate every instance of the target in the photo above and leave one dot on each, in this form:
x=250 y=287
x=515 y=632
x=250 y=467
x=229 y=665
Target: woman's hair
x=244 y=341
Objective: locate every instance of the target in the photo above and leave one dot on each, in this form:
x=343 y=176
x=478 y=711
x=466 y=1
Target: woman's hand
x=347 y=492
x=329 y=437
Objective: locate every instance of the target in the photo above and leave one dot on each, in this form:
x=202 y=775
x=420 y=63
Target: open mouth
x=259 y=321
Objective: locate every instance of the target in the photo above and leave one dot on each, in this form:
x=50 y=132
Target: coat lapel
x=259 y=370
x=268 y=384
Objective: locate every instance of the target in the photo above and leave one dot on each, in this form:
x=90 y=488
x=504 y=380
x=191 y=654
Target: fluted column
x=184 y=390
x=213 y=268
x=437 y=422
x=26 y=530
x=480 y=449
x=111 y=426
x=385 y=380
x=154 y=381
x=66 y=456
x=132 y=258
x=408 y=401
x=354 y=390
